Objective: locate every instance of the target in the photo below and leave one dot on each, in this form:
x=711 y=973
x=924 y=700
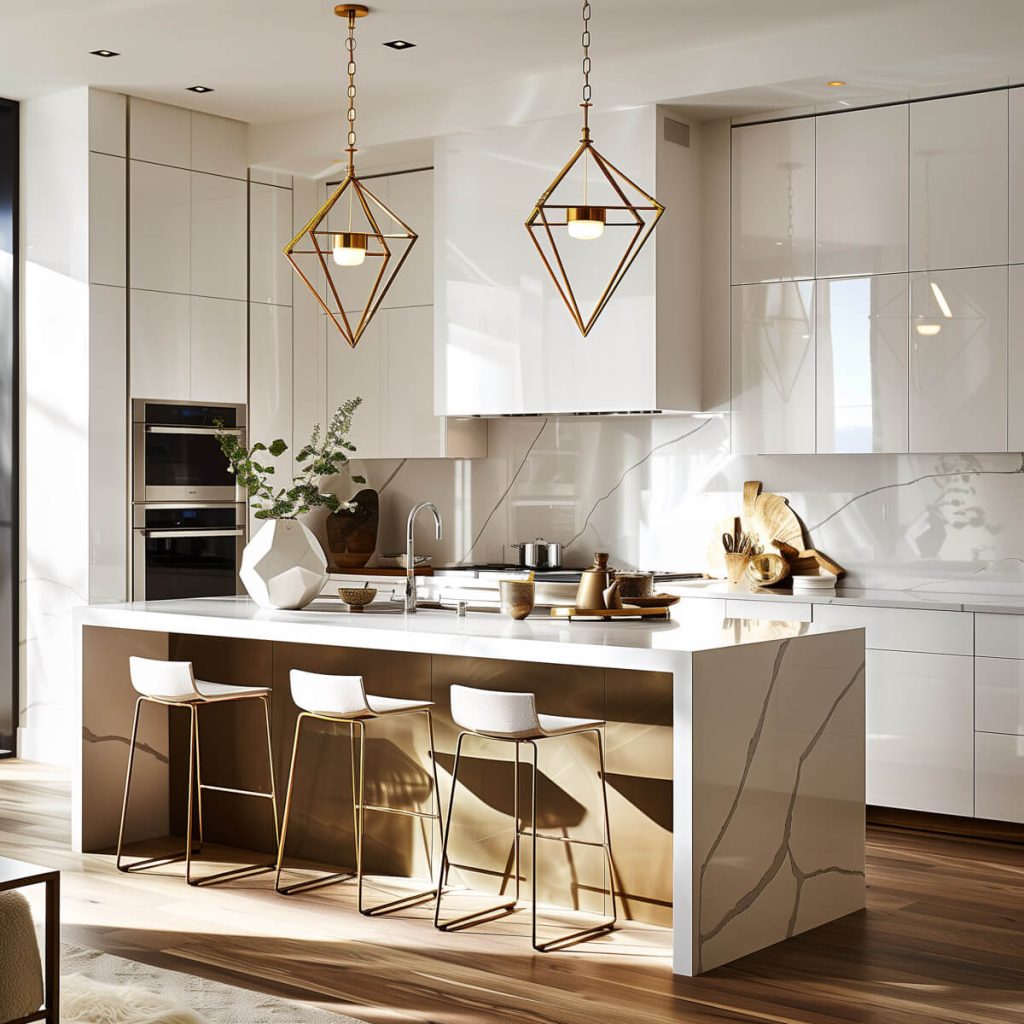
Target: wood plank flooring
x=942 y=940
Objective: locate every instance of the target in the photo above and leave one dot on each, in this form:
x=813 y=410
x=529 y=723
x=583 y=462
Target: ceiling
x=275 y=60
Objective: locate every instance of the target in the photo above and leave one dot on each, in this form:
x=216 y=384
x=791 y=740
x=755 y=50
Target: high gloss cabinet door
x=773 y=201
x=920 y=724
x=958 y=361
x=773 y=374
x=411 y=197
x=1016 y=99
x=1015 y=429
x=861 y=185
x=958 y=181
x=862 y=340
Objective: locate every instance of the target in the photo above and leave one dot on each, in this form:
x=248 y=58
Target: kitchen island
x=735 y=753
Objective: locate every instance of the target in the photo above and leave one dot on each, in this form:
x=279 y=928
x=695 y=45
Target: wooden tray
x=654 y=601
x=610 y=613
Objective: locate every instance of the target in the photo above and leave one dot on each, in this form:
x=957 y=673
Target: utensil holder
x=736 y=565
x=517 y=597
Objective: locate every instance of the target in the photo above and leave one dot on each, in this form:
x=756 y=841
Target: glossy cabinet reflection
x=773 y=201
x=920 y=731
x=773 y=368
x=1015 y=327
x=958 y=181
x=861 y=192
x=862 y=339
x=958 y=361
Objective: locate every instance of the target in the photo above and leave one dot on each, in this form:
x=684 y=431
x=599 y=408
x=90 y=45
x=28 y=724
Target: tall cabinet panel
x=958 y=361
x=1016 y=100
x=862 y=192
x=773 y=368
x=862 y=340
x=959 y=198
x=773 y=201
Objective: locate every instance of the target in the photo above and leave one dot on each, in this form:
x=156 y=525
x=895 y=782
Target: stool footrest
x=433 y=815
x=564 y=839
x=237 y=792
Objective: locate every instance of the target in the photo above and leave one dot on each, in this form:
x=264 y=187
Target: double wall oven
x=188 y=522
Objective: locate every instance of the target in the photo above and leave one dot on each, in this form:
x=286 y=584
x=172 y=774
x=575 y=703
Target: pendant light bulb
x=349 y=249
x=585 y=222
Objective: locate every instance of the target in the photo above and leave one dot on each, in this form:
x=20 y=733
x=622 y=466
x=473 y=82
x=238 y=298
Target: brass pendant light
x=635 y=210
x=354 y=228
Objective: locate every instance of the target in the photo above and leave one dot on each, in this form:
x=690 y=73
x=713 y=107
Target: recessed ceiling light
x=835 y=85
x=199 y=88
x=104 y=53
x=400 y=44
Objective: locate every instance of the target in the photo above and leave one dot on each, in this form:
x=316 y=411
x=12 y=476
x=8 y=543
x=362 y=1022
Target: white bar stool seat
x=331 y=698
x=173 y=683
x=513 y=718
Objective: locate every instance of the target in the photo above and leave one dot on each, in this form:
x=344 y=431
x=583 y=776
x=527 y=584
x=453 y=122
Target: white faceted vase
x=283 y=566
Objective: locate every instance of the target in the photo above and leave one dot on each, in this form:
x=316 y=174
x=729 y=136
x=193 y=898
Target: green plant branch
x=325 y=454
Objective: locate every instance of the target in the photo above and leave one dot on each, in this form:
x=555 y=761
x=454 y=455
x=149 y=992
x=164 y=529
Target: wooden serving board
x=610 y=613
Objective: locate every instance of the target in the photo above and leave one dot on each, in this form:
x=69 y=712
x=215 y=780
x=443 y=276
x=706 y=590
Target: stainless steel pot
x=540 y=554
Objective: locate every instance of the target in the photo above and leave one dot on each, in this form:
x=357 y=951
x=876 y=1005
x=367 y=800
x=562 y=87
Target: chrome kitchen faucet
x=410 y=559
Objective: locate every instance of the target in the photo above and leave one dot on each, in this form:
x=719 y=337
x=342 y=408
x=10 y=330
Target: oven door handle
x=237 y=431
x=168 y=534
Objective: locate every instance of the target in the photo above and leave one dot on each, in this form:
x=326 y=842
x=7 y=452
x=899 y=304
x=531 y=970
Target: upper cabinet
x=773 y=201
x=1016 y=100
x=505 y=342
x=958 y=182
x=862 y=192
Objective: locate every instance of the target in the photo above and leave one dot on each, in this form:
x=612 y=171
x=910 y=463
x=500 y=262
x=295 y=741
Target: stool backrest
x=169 y=680
x=330 y=695
x=490 y=711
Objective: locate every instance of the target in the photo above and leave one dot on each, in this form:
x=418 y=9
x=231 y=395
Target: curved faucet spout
x=410 y=558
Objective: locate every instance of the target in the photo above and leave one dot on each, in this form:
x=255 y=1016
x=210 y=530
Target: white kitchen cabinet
x=159 y=232
x=773 y=368
x=218 y=228
x=270 y=373
x=999 y=695
x=862 y=193
x=999 y=777
x=218 y=145
x=504 y=341
x=217 y=350
x=999 y=636
x=270 y=229
x=391 y=370
x=920 y=725
x=773 y=201
x=159 y=345
x=958 y=361
x=107 y=253
x=1016 y=225
x=108 y=116
x=1015 y=359
x=411 y=196
x=358 y=371
x=159 y=133
x=862 y=339
x=904 y=629
x=959 y=200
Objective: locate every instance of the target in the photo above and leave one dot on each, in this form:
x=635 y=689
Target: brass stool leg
x=597 y=929
x=474 y=916
x=128 y=783
x=410 y=899
x=273 y=781
x=199 y=778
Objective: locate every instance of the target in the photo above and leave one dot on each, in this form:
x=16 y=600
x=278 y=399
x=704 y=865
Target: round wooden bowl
x=357 y=597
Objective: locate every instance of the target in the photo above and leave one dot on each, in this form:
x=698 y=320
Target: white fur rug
x=97 y=988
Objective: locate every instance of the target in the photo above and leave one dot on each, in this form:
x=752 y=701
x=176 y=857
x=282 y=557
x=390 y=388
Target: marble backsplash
x=652 y=491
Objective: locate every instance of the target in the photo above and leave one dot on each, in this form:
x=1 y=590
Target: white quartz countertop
x=636 y=644
x=939 y=597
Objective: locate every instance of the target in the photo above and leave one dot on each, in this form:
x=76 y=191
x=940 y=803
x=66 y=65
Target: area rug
x=202 y=1001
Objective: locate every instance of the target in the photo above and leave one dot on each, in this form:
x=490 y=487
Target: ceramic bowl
x=357 y=597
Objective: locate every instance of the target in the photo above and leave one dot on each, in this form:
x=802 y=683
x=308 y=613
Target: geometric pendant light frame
x=637 y=213
x=326 y=247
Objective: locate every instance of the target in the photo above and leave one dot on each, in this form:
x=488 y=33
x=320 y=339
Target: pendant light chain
x=587 y=93
x=350 y=45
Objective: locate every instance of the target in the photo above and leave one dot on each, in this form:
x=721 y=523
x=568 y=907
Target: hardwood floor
x=942 y=940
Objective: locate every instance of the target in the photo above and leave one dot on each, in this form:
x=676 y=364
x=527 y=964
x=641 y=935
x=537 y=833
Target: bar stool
x=513 y=718
x=173 y=684
x=330 y=698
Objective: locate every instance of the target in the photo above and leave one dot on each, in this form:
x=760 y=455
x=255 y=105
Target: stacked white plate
x=808 y=584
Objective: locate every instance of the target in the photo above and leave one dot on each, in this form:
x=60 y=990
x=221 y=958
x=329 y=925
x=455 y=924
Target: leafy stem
x=325 y=454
